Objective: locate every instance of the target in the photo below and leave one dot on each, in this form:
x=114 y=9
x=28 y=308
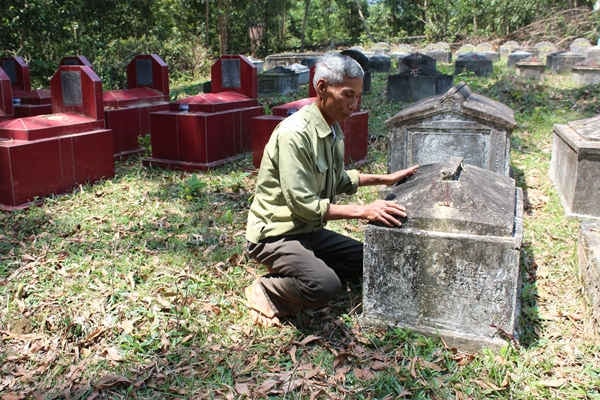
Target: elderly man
x=301 y=172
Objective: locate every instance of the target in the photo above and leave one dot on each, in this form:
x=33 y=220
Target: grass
x=132 y=288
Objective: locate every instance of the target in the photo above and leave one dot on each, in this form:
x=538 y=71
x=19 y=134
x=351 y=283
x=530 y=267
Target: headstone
x=380 y=63
x=589 y=265
x=563 y=61
x=381 y=48
x=465 y=48
x=27 y=102
x=283 y=59
x=52 y=153
x=488 y=51
x=580 y=46
x=439 y=51
x=452 y=269
x=419 y=79
x=278 y=80
x=456 y=124
x=404 y=48
x=532 y=68
x=6 y=99
x=544 y=48
x=259 y=64
x=302 y=72
x=507 y=48
x=75 y=60
x=516 y=56
x=585 y=74
x=473 y=62
x=575 y=166
x=593 y=55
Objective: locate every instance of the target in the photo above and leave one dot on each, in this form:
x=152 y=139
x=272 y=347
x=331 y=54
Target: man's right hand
x=384 y=212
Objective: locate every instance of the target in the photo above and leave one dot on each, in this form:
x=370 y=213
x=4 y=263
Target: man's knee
x=322 y=287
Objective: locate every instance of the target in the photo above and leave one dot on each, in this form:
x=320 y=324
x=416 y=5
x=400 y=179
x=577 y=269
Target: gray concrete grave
x=580 y=46
x=516 y=56
x=452 y=269
x=585 y=74
x=302 y=71
x=575 y=166
x=380 y=63
x=508 y=47
x=544 y=48
x=593 y=55
x=277 y=80
x=439 y=51
x=531 y=68
x=477 y=63
x=418 y=79
x=465 y=48
x=588 y=252
x=281 y=59
x=563 y=61
x=458 y=123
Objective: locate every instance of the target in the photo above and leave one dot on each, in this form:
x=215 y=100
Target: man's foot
x=262 y=309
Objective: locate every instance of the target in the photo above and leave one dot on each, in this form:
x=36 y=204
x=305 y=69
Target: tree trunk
x=304 y=22
x=364 y=21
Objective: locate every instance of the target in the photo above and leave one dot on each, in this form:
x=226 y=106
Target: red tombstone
x=46 y=154
x=27 y=102
x=355 y=128
x=6 y=101
x=209 y=129
x=127 y=111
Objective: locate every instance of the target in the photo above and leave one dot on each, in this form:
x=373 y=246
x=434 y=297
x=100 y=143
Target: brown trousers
x=306 y=270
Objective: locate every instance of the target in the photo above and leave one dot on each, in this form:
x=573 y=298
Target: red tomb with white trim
x=49 y=154
x=208 y=129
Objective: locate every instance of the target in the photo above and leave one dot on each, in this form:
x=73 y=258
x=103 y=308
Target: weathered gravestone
x=439 y=51
x=275 y=60
x=477 y=63
x=585 y=74
x=580 y=46
x=531 y=68
x=593 y=55
x=589 y=265
x=380 y=63
x=508 y=47
x=418 y=79
x=563 y=61
x=487 y=49
x=456 y=124
x=278 y=80
x=465 y=48
x=452 y=269
x=575 y=166
x=544 y=48
x=301 y=71
x=516 y=56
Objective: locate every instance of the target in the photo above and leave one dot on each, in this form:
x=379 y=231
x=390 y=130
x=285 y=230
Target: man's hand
x=401 y=174
x=385 y=212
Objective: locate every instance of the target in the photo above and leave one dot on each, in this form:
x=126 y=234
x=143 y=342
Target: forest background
x=190 y=34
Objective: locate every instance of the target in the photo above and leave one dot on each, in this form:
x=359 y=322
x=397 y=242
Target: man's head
x=338 y=83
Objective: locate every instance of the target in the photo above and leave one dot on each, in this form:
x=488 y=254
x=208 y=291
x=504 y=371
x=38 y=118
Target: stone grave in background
x=588 y=252
x=208 y=129
x=465 y=48
x=452 y=269
x=517 y=56
x=278 y=80
x=48 y=154
x=544 y=48
x=27 y=102
x=404 y=48
x=531 y=68
x=575 y=166
x=380 y=63
x=487 y=49
x=477 y=63
x=283 y=59
x=302 y=72
x=563 y=61
x=127 y=111
x=593 y=55
x=585 y=74
x=439 y=51
x=419 y=79
x=6 y=98
x=458 y=123
x=259 y=64
x=355 y=127
x=580 y=46
x=508 y=47
x=381 y=48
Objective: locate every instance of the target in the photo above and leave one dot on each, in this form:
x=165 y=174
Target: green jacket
x=301 y=172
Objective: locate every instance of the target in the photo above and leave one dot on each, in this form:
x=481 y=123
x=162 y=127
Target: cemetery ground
x=133 y=288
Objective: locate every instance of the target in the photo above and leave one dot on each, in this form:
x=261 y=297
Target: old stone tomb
x=452 y=269
x=279 y=80
x=589 y=265
x=418 y=79
x=575 y=166
x=458 y=123
x=477 y=63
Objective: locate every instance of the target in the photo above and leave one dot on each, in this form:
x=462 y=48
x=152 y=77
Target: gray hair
x=334 y=68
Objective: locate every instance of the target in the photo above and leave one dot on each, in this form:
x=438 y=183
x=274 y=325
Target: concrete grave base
x=589 y=265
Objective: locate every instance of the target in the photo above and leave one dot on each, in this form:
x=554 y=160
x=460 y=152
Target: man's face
x=338 y=102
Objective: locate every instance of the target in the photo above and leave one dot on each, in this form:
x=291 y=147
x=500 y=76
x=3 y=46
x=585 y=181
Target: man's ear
x=321 y=88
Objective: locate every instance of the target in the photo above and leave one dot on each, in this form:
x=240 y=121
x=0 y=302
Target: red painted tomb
x=208 y=129
x=127 y=111
x=27 y=102
x=47 y=154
